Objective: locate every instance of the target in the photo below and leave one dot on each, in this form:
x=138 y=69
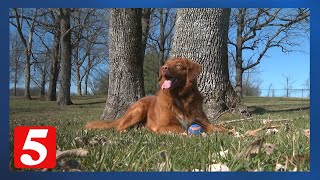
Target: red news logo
x=35 y=147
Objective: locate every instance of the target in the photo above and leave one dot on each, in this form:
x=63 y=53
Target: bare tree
x=99 y=83
x=16 y=60
x=145 y=23
x=18 y=23
x=163 y=22
x=55 y=56
x=205 y=40
x=89 y=27
x=97 y=56
x=252 y=82
x=47 y=25
x=270 y=90
x=288 y=85
x=307 y=87
x=125 y=61
x=66 y=50
x=81 y=22
x=40 y=73
x=259 y=30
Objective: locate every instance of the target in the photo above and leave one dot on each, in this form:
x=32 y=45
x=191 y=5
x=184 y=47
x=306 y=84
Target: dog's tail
x=101 y=125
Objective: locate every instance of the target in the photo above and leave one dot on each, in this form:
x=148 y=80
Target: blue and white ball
x=195 y=129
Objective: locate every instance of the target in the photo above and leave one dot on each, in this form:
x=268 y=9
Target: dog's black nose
x=165 y=67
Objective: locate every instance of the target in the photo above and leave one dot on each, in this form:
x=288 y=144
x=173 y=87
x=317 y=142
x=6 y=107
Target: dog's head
x=178 y=73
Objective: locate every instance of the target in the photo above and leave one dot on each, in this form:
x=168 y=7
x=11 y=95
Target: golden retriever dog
x=176 y=105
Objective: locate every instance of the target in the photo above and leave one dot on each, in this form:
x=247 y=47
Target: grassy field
x=284 y=144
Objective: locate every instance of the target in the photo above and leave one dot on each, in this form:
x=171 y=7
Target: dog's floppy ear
x=160 y=78
x=194 y=71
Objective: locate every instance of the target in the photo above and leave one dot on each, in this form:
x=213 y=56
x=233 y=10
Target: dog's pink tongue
x=166 y=84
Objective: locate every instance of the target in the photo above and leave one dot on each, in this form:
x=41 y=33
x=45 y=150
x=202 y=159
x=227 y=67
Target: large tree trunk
x=64 y=92
x=201 y=35
x=125 y=62
x=54 y=70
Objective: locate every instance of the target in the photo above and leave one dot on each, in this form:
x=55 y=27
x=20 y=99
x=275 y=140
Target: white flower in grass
x=272 y=131
x=223 y=153
x=238 y=135
x=218 y=168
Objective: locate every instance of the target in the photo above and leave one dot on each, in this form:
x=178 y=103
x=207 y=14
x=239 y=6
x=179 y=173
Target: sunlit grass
x=141 y=150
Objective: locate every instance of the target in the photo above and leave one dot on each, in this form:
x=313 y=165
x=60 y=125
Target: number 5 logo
x=35 y=147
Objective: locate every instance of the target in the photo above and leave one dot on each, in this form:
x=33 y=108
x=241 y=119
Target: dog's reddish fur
x=171 y=109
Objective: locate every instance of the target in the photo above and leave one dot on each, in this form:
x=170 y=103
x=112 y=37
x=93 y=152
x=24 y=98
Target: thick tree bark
x=125 y=62
x=201 y=35
x=54 y=70
x=64 y=92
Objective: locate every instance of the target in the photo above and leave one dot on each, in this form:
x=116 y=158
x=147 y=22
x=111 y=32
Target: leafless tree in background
x=16 y=60
x=55 y=56
x=287 y=85
x=254 y=31
x=145 y=23
x=270 y=90
x=161 y=32
x=307 y=86
x=39 y=72
x=46 y=40
x=19 y=21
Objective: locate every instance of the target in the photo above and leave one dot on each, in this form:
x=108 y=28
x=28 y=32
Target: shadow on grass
x=260 y=110
x=88 y=103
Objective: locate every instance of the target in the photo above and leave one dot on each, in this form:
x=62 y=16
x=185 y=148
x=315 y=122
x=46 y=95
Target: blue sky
x=295 y=65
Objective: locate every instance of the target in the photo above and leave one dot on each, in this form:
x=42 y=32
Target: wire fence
x=298 y=93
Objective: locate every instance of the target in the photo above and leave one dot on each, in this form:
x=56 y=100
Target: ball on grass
x=195 y=129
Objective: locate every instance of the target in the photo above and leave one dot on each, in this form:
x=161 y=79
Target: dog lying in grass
x=176 y=105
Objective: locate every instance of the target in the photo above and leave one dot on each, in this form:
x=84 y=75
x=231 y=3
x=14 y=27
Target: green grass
x=141 y=150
